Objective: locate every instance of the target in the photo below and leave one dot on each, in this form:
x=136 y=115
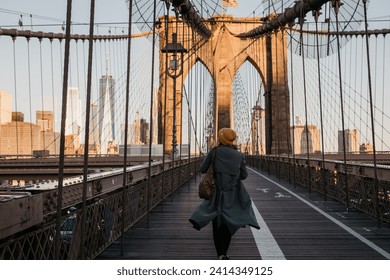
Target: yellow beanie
x=227 y=136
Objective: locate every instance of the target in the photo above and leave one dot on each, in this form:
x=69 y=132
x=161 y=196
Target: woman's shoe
x=223 y=257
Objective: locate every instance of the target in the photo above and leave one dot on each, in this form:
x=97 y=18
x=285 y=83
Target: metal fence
x=353 y=184
x=109 y=211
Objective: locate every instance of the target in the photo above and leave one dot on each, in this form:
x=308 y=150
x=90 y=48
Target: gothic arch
x=222 y=55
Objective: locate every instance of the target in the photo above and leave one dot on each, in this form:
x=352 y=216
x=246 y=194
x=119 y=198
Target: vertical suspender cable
x=163 y=180
x=372 y=115
x=87 y=123
x=52 y=91
x=189 y=101
x=181 y=103
x=292 y=103
x=43 y=108
x=287 y=102
x=336 y=6
x=302 y=19
x=29 y=93
x=201 y=116
x=124 y=201
x=383 y=85
x=277 y=91
x=189 y=104
x=151 y=111
x=16 y=96
x=62 y=135
x=196 y=94
x=374 y=91
x=316 y=15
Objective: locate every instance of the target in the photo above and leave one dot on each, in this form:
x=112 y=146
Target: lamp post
x=209 y=137
x=174 y=71
x=257 y=116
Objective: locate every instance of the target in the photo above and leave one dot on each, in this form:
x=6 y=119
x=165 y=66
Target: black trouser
x=222 y=238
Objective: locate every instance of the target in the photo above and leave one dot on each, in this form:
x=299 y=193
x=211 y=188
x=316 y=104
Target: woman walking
x=230 y=208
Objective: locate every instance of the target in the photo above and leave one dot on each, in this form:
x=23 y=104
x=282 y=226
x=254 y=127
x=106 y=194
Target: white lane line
x=266 y=244
x=337 y=222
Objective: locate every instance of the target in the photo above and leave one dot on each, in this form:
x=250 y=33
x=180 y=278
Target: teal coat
x=230 y=203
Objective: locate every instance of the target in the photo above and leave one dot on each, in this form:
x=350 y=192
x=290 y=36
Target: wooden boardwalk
x=303 y=226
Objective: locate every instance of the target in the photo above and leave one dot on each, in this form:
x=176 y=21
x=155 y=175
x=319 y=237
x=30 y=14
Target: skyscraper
x=106 y=111
x=18 y=137
x=138 y=132
x=73 y=117
x=351 y=141
x=73 y=112
x=94 y=125
x=45 y=120
x=300 y=138
x=49 y=140
x=94 y=139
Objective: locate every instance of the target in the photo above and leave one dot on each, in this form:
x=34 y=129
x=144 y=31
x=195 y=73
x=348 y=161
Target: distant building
x=18 y=137
x=94 y=138
x=49 y=140
x=301 y=138
x=72 y=145
x=366 y=148
x=21 y=138
x=73 y=112
x=351 y=141
x=17 y=117
x=5 y=107
x=106 y=110
x=73 y=121
x=45 y=119
x=138 y=132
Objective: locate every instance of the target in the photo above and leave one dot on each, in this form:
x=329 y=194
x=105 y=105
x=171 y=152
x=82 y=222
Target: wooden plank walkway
x=304 y=226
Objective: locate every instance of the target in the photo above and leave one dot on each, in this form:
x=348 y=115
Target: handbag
x=207 y=182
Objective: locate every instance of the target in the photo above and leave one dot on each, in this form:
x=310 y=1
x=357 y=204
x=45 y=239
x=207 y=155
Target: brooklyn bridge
x=108 y=109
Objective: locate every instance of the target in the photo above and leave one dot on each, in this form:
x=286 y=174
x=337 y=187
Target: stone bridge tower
x=222 y=55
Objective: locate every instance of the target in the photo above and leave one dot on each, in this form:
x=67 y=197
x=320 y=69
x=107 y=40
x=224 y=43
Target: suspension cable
x=52 y=92
x=302 y=19
x=16 y=96
x=287 y=103
x=42 y=95
x=316 y=15
x=87 y=123
x=336 y=6
x=124 y=200
x=163 y=129
x=29 y=93
x=383 y=85
x=151 y=112
x=62 y=139
x=372 y=115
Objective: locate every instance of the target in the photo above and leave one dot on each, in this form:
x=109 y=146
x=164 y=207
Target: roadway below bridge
x=42 y=168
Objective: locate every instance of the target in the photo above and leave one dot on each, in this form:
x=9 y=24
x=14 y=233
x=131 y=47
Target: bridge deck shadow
x=301 y=231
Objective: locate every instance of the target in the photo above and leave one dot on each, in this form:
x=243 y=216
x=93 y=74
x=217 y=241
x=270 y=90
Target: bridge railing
x=352 y=184
x=110 y=210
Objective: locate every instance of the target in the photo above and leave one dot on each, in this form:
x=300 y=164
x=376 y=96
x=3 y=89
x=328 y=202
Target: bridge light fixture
x=175 y=49
x=174 y=70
